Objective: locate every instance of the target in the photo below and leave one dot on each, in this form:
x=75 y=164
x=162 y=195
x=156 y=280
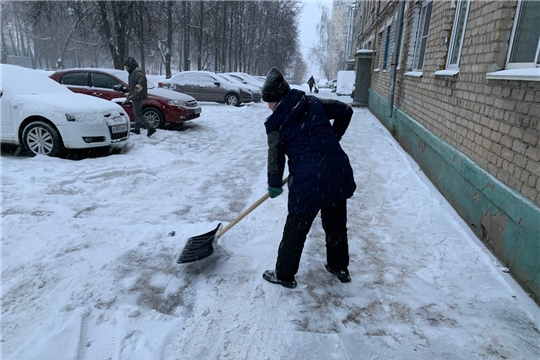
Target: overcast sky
x=308 y=34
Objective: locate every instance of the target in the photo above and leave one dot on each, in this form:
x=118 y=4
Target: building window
x=421 y=36
x=525 y=40
x=386 y=46
x=379 y=51
x=458 y=34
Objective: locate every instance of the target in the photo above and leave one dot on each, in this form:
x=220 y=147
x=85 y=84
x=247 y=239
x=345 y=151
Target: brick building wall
x=494 y=122
x=475 y=135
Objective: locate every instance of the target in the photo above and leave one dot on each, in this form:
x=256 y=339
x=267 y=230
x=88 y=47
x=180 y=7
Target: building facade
x=466 y=106
x=341 y=34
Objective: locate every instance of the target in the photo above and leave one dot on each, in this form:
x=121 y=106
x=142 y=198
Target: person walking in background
x=311 y=82
x=320 y=175
x=138 y=90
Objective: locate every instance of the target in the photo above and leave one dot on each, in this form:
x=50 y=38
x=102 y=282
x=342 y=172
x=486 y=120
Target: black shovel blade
x=199 y=247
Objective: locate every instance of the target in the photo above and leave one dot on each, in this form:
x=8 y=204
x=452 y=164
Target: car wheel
x=154 y=117
x=42 y=138
x=232 y=99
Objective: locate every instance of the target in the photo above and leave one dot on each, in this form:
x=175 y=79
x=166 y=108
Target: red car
x=161 y=107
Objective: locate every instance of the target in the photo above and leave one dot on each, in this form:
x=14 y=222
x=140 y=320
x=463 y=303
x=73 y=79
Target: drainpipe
x=395 y=57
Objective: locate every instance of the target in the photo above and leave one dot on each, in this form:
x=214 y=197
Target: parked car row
x=84 y=107
x=160 y=108
x=215 y=87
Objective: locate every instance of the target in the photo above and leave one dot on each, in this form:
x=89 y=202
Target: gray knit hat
x=275 y=86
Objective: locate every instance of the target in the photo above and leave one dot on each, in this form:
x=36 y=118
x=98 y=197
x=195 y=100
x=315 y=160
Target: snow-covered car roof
x=19 y=82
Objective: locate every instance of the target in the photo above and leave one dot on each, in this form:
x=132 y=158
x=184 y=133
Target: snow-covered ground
x=89 y=270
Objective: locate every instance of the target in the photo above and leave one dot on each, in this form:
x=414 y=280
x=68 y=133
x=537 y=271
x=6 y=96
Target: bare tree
x=299 y=70
x=116 y=17
x=321 y=51
x=45 y=29
x=249 y=36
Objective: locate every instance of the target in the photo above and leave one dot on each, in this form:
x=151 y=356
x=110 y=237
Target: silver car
x=247 y=79
x=255 y=90
x=206 y=86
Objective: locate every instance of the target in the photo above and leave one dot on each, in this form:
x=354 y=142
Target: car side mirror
x=217 y=83
x=119 y=87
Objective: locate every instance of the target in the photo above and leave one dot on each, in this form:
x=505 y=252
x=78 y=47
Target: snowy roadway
x=90 y=273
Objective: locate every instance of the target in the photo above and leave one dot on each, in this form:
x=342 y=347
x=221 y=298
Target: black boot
x=150 y=132
x=273 y=277
x=342 y=275
x=135 y=131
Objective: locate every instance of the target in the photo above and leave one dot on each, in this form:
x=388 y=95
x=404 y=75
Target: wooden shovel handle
x=248 y=210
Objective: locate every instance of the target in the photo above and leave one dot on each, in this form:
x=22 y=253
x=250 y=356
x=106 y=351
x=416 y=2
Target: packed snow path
x=90 y=273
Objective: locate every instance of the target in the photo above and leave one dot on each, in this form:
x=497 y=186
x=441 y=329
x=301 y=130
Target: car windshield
x=124 y=76
x=19 y=80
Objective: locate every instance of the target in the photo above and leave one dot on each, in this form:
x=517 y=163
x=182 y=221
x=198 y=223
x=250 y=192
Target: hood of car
x=169 y=94
x=70 y=103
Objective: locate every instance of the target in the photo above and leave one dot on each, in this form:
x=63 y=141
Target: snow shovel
x=202 y=246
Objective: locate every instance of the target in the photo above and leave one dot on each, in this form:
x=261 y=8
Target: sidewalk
x=423 y=286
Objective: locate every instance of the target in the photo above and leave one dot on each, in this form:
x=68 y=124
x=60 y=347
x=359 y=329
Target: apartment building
x=339 y=34
x=466 y=107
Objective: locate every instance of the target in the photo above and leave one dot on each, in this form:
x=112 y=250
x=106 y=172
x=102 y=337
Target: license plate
x=119 y=128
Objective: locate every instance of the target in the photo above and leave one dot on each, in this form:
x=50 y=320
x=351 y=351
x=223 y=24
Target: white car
x=45 y=117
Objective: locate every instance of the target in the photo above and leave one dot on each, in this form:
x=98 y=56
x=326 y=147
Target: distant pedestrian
x=320 y=175
x=138 y=90
x=311 y=82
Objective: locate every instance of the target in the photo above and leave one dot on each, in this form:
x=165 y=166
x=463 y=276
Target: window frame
x=454 y=36
x=420 y=36
x=379 y=50
x=520 y=65
x=387 y=46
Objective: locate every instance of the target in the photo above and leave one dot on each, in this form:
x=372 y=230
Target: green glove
x=274 y=191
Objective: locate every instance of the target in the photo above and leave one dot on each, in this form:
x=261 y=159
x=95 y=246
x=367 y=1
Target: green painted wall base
x=506 y=221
